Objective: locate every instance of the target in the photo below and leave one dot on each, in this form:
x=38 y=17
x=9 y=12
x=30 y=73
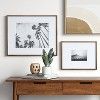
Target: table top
x=62 y=79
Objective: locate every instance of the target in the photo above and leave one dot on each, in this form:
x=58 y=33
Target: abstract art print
x=79 y=55
x=81 y=16
x=29 y=35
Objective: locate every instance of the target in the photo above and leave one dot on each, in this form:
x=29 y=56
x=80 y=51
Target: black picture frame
x=24 y=18
x=69 y=66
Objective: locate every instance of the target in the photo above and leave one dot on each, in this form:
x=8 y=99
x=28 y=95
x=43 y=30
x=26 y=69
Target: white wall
x=13 y=66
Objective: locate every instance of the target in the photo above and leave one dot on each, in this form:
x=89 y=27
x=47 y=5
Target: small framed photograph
x=81 y=17
x=79 y=55
x=30 y=34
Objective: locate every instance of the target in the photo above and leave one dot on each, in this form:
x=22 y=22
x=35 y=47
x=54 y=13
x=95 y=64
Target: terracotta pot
x=35 y=68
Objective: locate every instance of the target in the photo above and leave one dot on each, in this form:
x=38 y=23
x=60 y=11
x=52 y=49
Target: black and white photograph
x=30 y=34
x=78 y=55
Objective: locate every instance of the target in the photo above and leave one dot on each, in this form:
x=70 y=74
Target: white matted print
x=79 y=55
x=30 y=34
x=82 y=17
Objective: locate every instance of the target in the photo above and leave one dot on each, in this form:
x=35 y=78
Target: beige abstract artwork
x=82 y=17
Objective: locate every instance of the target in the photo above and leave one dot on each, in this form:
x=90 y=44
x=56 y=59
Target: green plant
x=47 y=57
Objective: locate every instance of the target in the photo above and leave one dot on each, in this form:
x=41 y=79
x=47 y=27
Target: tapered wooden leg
x=15 y=96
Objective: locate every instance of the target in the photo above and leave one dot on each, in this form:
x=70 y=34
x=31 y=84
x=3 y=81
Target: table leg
x=15 y=96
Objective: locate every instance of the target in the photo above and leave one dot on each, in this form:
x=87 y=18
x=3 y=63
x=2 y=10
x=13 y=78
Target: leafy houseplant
x=47 y=57
x=47 y=60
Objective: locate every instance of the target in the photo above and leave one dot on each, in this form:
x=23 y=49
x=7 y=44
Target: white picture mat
x=66 y=56
x=12 y=20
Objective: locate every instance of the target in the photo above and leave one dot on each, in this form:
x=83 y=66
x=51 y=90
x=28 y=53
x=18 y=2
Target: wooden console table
x=58 y=86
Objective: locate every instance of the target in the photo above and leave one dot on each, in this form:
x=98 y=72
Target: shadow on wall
x=86 y=15
x=71 y=97
x=5 y=91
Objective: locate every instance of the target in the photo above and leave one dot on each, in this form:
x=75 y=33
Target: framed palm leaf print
x=30 y=34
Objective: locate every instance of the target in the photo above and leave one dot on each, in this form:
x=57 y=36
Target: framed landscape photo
x=78 y=55
x=30 y=34
x=82 y=17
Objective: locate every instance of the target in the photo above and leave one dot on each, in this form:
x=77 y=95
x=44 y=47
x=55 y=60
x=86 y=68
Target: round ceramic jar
x=35 y=68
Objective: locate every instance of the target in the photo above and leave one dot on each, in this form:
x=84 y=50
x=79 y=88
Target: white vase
x=47 y=71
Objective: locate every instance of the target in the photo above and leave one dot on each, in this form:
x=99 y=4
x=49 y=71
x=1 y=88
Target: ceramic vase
x=46 y=71
x=35 y=68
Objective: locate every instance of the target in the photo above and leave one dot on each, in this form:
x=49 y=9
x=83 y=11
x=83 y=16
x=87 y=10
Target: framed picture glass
x=82 y=17
x=30 y=34
x=79 y=55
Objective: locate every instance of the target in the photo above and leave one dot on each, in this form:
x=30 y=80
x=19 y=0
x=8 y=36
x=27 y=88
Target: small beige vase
x=35 y=68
